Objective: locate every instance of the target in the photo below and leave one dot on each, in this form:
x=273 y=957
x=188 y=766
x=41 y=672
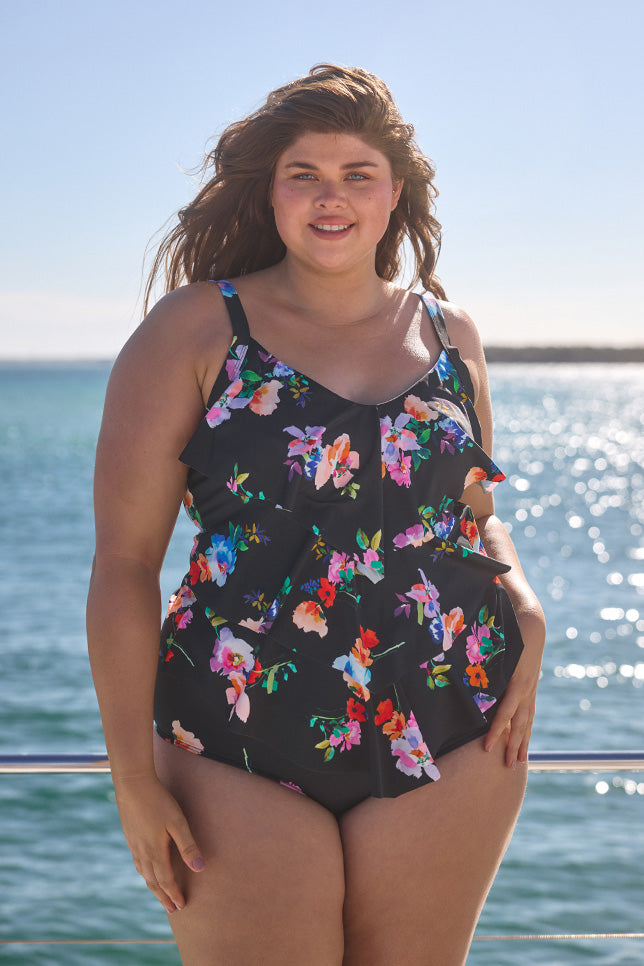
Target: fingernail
x=513 y=765
x=198 y=864
x=170 y=909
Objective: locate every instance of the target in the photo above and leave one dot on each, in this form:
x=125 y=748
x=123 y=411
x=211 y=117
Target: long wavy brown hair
x=229 y=228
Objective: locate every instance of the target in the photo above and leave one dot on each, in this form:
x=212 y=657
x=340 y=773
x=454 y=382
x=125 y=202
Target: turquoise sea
x=570 y=439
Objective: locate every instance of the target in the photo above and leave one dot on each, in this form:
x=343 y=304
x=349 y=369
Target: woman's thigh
x=273 y=884
x=418 y=867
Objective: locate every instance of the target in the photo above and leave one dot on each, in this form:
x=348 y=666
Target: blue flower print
x=227 y=289
x=222 y=557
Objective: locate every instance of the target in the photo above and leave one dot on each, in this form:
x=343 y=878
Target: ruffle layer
x=351 y=501
x=296 y=645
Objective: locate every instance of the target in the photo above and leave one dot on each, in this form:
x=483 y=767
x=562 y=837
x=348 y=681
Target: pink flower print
x=401 y=472
x=452 y=626
x=338 y=460
x=340 y=561
x=309 y=616
x=416 y=536
x=349 y=734
x=484 y=701
x=231 y=654
x=371 y=566
x=479 y=638
x=419 y=409
x=412 y=752
x=265 y=398
x=306 y=440
x=413 y=760
x=253 y=625
x=220 y=412
x=236 y=695
x=293 y=787
x=394 y=438
x=184 y=619
x=185 y=739
x=234 y=366
x=183 y=598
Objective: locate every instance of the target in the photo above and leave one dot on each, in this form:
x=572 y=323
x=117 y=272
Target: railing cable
x=556 y=761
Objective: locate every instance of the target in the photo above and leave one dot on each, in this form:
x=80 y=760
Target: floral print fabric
x=340 y=621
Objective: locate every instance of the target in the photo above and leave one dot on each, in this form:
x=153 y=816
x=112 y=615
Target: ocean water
x=570 y=439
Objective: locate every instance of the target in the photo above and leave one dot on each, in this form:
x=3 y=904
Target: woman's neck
x=335 y=299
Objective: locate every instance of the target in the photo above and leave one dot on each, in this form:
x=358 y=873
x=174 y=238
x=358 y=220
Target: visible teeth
x=331 y=227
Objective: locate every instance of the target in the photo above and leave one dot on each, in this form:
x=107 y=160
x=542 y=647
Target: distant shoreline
x=493 y=353
x=564 y=353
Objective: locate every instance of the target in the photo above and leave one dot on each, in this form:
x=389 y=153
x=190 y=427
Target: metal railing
x=540 y=761
x=558 y=761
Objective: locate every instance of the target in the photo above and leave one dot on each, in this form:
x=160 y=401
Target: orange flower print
x=475 y=475
x=452 y=626
x=419 y=409
x=185 y=739
x=361 y=653
x=477 y=676
x=265 y=398
x=470 y=530
x=395 y=726
x=385 y=711
x=355 y=710
x=309 y=616
x=337 y=461
x=200 y=570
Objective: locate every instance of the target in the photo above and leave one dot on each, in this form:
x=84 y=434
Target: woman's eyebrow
x=343 y=167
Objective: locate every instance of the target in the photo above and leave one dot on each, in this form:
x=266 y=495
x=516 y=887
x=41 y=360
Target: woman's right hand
x=151 y=820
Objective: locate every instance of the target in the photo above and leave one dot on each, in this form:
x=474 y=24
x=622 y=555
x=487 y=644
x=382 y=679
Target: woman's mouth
x=332 y=231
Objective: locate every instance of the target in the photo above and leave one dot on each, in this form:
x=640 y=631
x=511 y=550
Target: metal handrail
x=540 y=761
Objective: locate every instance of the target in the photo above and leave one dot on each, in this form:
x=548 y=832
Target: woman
x=343 y=698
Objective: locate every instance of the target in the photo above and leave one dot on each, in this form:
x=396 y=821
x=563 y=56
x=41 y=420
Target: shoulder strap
x=236 y=312
x=440 y=328
x=435 y=314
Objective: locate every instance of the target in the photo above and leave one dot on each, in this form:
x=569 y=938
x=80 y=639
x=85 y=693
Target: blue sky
x=532 y=113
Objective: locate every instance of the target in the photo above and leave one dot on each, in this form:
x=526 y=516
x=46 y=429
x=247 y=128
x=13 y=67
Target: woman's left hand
x=515 y=714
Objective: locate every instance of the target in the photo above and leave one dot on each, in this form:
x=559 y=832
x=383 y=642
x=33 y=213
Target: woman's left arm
x=513 y=720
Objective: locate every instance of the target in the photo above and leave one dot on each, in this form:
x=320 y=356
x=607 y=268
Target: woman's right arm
x=154 y=400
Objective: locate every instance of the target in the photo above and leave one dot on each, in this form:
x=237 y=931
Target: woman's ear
x=396 y=192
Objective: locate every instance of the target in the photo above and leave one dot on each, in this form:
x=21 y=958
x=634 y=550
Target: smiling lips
x=331 y=230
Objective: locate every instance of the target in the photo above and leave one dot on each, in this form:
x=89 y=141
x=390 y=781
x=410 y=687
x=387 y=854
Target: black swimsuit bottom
x=340 y=626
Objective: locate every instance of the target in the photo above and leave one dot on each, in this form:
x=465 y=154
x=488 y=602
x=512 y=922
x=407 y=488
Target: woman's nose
x=330 y=195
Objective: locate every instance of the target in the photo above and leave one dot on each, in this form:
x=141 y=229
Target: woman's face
x=332 y=197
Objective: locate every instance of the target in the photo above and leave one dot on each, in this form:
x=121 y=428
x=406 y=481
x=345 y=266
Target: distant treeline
x=564 y=353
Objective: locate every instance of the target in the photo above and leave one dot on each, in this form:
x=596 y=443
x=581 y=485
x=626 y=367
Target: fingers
x=512 y=724
x=158 y=873
x=188 y=849
x=159 y=878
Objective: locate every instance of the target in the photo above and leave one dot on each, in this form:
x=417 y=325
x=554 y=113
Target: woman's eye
x=357 y=176
x=304 y=176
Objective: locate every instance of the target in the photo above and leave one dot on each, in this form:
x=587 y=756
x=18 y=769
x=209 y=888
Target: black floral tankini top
x=340 y=626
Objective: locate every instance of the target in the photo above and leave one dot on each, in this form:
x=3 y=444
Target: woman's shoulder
x=196 y=311
x=464 y=335
x=461 y=327
x=186 y=333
